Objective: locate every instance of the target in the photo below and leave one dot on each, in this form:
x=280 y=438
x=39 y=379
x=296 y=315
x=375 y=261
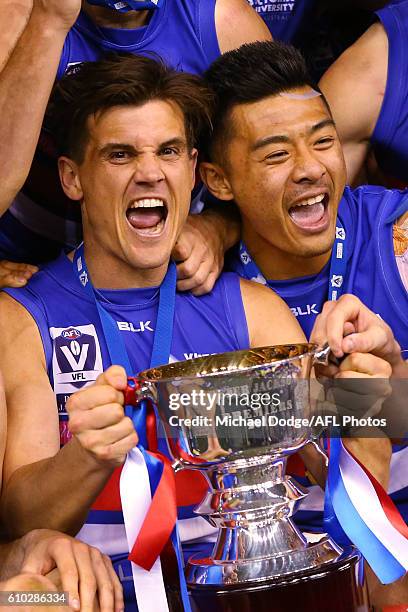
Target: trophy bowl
x=237 y=417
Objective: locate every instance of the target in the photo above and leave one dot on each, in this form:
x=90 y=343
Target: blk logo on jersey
x=305 y=311
x=76 y=357
x=142 y=326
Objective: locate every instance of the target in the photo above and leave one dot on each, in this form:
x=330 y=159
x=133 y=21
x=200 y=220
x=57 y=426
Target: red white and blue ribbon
x=358 y=510
x=147 y=474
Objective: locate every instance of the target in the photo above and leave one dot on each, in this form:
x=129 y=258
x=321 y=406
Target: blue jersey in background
x=390 y=136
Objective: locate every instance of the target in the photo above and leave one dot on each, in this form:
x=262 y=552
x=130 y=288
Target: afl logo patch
x=76 y=358
x=71 y=333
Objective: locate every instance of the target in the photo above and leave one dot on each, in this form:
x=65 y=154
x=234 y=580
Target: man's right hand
x=350 y=327
x=64 y=12
x=97 y=419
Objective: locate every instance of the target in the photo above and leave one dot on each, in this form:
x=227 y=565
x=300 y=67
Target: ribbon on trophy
x=147 y=481
x=358 y=510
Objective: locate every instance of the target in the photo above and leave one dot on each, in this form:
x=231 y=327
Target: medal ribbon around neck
x=160 y=520
x=338 y=265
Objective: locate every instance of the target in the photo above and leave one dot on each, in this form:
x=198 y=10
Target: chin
x=150 y=262
x=316 y=250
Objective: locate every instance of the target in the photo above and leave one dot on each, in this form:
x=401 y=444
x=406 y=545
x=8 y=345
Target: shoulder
x=269 y=319
x=13 y=314
x=366 y=58
x=355 y=83
x=365 y=194
x=238 y=23
x=258 y=298
x=373 y=204
x=28 y=306
x=19 y=332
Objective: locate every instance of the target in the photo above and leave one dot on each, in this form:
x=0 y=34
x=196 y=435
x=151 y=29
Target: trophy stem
x=251 y=501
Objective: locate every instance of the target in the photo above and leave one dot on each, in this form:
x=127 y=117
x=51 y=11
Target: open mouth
x=147 y=216
x=311 y=214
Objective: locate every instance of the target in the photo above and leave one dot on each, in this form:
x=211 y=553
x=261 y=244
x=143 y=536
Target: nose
x=308 y=167
x=148 y=170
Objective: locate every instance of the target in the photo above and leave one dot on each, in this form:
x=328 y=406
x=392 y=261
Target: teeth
x=312 y=201
x=147 y=203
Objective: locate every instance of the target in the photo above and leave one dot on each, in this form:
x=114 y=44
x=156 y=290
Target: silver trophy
x=237 y=417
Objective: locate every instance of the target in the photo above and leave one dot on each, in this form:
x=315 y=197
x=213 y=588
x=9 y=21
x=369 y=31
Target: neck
x=276 y=264
x=108 y=18
x=113 y=273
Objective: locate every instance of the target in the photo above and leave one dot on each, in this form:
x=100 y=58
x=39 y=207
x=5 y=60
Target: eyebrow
x=113 y=146
x=285 y=139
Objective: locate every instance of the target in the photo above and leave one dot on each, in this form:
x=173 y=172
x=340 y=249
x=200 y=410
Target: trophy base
x=334 y=586
x=216 y=572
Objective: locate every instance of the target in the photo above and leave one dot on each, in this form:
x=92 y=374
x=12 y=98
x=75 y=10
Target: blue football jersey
x=76 y=353
x=390 y=137
x=284 y=19
x=367 y=215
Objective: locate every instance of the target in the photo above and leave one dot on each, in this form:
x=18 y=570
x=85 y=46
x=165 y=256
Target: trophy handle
x=138 y=390
x=322 y=355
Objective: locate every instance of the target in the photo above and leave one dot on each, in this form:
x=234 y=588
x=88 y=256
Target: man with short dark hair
x=187 y=35
x=275 y=151
x=132 y=170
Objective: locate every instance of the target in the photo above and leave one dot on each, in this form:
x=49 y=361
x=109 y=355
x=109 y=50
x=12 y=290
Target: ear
x=215 y=180
x=193 y=160
x=69 y=177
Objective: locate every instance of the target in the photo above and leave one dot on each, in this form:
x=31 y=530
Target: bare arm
x=15 y=15
x=238 y=23
x=25 y=86
x=45 y=487
x=354 y=87
x=3 y=428
x=268 y=317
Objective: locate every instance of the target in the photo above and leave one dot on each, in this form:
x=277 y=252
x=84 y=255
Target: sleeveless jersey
x=41 y=220
x=76 y=353
x=367 y=215
x=284 y=19
x=390 y=136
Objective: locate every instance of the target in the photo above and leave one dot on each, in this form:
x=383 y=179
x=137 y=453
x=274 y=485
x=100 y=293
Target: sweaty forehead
x=296 y=110
x=152 y=122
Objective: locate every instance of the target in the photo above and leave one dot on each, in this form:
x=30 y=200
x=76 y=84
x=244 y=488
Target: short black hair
x=122 y=79
x=248 y=74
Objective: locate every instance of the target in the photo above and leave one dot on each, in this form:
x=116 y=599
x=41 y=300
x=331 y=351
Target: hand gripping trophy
x=237 y=417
